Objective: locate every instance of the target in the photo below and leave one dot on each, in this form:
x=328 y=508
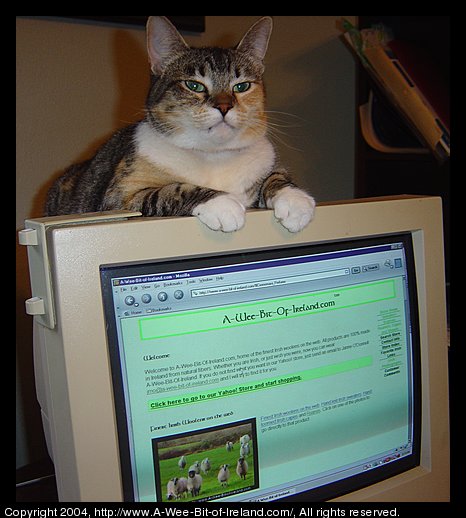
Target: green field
x=168 y=469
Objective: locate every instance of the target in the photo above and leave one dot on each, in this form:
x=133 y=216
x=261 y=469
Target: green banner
x=204 y=320
x=236 y=390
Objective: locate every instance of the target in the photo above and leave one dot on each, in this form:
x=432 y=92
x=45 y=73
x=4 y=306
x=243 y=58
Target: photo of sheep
x=206 y=464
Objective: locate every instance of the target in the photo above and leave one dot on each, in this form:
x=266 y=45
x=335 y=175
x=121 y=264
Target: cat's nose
x=224 y=102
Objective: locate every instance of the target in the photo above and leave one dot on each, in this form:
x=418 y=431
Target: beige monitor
x=321 y=354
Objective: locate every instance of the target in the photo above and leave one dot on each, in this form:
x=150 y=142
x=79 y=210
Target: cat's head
x=207 y=98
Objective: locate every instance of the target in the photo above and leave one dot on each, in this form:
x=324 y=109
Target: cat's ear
x=256 y=40
x=163 y=41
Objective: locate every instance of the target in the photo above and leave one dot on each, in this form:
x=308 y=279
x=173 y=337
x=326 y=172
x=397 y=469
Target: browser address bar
x=268 y=283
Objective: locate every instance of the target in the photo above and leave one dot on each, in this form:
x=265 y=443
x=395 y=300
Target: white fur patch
x=233 y=171
x=224 y=212
x=293 y=208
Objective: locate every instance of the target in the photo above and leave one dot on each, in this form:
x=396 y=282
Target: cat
x=202 y=148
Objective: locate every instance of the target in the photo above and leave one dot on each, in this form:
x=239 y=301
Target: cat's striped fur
x=202 y=147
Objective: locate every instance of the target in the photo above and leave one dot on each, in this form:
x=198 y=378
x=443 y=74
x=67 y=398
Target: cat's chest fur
x=234 y=171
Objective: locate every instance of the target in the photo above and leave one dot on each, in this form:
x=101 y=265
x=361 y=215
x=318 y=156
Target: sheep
x=176 y=487
x=194 y=482
x=244 y=450
x=171 y=495
x=182 y=462
x=196 y=467
x=242 y=468
x=244 y=439
x=223 y=475
x=205 y=466
x=229 y=446
x=181 y=486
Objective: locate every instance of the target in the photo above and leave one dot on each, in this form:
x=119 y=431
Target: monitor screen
x=289 y=373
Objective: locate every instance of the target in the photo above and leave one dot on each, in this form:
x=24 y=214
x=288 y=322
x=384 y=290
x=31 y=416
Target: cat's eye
x=241 y=87
x=195 y=86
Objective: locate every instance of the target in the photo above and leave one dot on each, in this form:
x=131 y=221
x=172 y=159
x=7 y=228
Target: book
x=407 y=82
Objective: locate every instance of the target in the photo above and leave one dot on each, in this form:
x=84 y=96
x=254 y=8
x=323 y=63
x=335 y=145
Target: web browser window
x=264 y=375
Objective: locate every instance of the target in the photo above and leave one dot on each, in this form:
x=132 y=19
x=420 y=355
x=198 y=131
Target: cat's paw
x=293 y=208
x=224 y=212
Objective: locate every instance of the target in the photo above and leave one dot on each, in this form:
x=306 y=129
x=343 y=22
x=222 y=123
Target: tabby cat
x=201 y=149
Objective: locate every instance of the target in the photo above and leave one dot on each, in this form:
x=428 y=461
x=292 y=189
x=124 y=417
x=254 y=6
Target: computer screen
x=284 y=373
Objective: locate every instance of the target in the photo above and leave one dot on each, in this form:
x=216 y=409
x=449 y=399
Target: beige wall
x=77 y=83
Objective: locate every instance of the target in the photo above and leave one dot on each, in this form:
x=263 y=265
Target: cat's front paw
x=293 y=208
x=224 y=212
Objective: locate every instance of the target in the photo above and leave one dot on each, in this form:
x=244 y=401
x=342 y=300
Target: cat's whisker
x=283 y=142
x=287 y=114
x=260 y=127
x=277 y=122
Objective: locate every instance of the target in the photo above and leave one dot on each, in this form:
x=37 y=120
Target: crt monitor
x=255 y=366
